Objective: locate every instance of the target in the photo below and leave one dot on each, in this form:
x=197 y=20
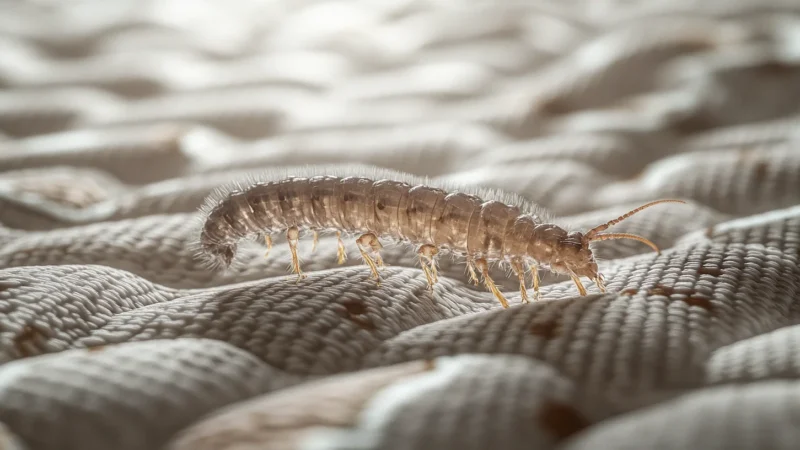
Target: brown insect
x=481 y=225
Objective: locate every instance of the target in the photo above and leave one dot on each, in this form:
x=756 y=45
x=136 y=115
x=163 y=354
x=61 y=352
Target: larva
x=483 y=226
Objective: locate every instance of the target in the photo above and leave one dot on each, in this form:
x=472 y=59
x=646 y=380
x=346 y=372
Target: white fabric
x=117 y=119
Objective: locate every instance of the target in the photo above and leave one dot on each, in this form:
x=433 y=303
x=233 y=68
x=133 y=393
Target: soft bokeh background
x=117 y=118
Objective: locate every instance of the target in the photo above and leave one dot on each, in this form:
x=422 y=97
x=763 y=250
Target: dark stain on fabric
x=694 y=123
x=661 y=290
x=700 y=302
x=776 y=68
x=560 y=419
x=713 y=271
x=691 y=297
x=760 y=171
x=554 y=107
x=355 y=311
x=355 y=307
x=25 y=339
x=548 y=329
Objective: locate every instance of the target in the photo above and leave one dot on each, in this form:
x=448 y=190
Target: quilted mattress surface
x=117 y=118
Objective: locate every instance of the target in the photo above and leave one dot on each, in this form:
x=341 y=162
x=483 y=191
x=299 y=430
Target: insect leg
x=519 y=269
x=578 y=283
x=473 y=277
x=341 y=254
x=430 y=252
x=366 y=242
x=427 y=271
x=316 y=241
x=268 y=241
x=427 y=257
x=483 y=267
x=535 y=272
x=600 y=282
x=293 y=236
x=375 y=246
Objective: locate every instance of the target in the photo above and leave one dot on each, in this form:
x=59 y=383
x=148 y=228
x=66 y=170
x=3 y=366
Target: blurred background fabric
x=117 y=118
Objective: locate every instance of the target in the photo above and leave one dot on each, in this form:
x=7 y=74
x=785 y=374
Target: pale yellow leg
x=367 y=242
x=473 y=277
x=268 y=241
x=578 y=283
x=519 y=269
x=483 y=267
x=341 y=254
x=600 y=282
x=536 y=294
x=315 y=242
x=427 y=271
x=293 y=237
x=430 y=252
x=376 y=247
x=427 y=258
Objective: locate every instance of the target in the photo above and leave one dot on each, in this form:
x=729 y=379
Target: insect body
x=482 y=226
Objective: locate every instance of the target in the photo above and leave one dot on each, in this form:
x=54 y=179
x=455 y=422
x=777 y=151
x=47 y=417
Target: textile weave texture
x=118 y=118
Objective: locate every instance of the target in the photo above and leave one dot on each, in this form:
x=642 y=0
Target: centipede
x=376 y=206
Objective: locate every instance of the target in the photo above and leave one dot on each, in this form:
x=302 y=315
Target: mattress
x=117 y=120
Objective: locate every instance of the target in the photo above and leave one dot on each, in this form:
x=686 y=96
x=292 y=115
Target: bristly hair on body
x=265 y=176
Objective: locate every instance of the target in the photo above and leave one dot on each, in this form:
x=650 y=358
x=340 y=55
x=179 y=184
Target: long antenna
x=609 y=236
x=590 y=235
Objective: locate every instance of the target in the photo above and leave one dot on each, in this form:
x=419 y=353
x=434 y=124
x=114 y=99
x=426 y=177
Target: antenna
x=593 y=233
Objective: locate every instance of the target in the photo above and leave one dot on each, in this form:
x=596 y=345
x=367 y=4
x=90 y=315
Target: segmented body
x=483 y=226
x=456 y=222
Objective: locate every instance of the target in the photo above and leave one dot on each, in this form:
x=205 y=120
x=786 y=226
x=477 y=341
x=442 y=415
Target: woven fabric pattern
x=118 y=118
